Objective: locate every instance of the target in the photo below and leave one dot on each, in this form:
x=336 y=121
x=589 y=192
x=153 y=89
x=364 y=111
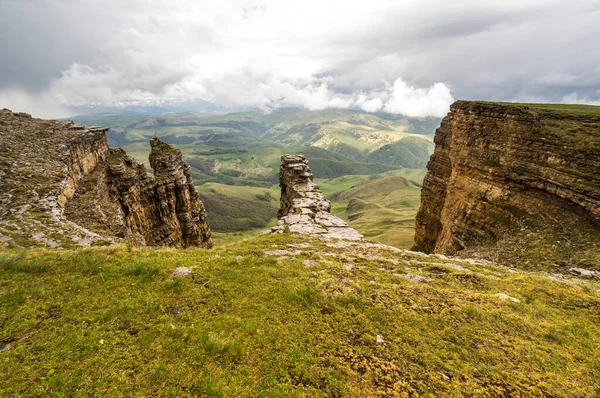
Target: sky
x=406 y=57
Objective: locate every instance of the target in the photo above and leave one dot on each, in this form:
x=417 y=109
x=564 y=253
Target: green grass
x=389 y=218
x=114 y=322
x=382 y=209
x=572 y=109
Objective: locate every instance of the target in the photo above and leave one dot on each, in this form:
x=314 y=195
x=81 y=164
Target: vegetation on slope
x=235 y=209
x=244 y=150
x=115 y=322
x=351 y=134
x=382 y=209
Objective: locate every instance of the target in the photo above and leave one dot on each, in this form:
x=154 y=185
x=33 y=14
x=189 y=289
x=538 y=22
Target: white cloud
x=41 y=105
x=418 y=102
x=372 y=105
x=317 y=54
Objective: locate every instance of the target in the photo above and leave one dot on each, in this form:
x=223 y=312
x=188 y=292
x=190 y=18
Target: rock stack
x=304 y=209
x=163 y=210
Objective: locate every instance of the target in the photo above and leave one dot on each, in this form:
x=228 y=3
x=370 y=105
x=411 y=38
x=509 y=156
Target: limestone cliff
x=303 y=207
x=513 y=174
x=61 y=185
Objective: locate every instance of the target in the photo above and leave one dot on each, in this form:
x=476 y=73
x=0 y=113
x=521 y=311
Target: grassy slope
x=115 y=322
x=383 y=209
x=390 y=220
x=348 y=132
x=572 y=109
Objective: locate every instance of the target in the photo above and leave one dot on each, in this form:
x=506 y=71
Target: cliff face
x=61 y=185
x=499 y=169
x=165 y=210
x=303 y=207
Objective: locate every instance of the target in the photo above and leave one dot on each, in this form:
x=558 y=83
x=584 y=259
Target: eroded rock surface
x=508 y=173
x=303 y=207
x=61 y=184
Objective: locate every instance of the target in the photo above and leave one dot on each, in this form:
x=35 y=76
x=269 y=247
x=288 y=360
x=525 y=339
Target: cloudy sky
x=408 y=57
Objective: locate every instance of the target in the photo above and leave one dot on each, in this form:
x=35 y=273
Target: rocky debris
x=303 y=207
x=283 y=252
x=415 y=278
x=498 y=168
x=348 y=245
x=504 y=296
x=586 y=273
x=310 y=263
x=454 y=267
x=182 y=271
x=559 y=279
x=379 y=339
x=299 y=245
x=61 y=184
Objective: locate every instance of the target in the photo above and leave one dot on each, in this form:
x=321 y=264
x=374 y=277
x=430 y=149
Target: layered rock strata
x=504 y=170
x=159 y=210
x=303 y=207
x=61 y=185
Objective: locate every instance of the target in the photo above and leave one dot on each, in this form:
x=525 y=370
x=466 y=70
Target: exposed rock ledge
x=523 y=180
x=304 y=209
x=61 y=185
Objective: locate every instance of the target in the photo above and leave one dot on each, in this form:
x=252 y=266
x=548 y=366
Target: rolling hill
x=383 y=209
x=235 y=158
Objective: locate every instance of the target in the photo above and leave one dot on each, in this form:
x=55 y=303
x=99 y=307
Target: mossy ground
x=114 y=321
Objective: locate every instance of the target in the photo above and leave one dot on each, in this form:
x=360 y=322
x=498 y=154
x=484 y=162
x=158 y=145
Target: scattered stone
x=454 y=267
x=283 y=253
x=560 y=280
x=182 y=271
x=299 y=245
x=415 y=278
x=310 y=263
x=348 y=267
x=586 y=273
x=380 y=339
x=505 y=296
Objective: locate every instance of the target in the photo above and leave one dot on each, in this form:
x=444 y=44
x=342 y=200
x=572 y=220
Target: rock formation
x=61 y=185
x=303 y=207
x=504 y=170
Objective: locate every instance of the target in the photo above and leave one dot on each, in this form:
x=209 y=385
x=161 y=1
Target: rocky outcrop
x=62 y=185
x=505 y=170
x=303 y=207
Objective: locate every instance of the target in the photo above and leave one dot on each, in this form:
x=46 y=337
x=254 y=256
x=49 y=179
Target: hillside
x=283 y=316
x=236 y=211
x=383 y=209
x=61 y=185
x=244 y=148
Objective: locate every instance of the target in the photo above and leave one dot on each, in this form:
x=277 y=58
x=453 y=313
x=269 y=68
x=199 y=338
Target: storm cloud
x=409 y=57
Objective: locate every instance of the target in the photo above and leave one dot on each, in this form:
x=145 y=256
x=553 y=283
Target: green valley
x=235 y=160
